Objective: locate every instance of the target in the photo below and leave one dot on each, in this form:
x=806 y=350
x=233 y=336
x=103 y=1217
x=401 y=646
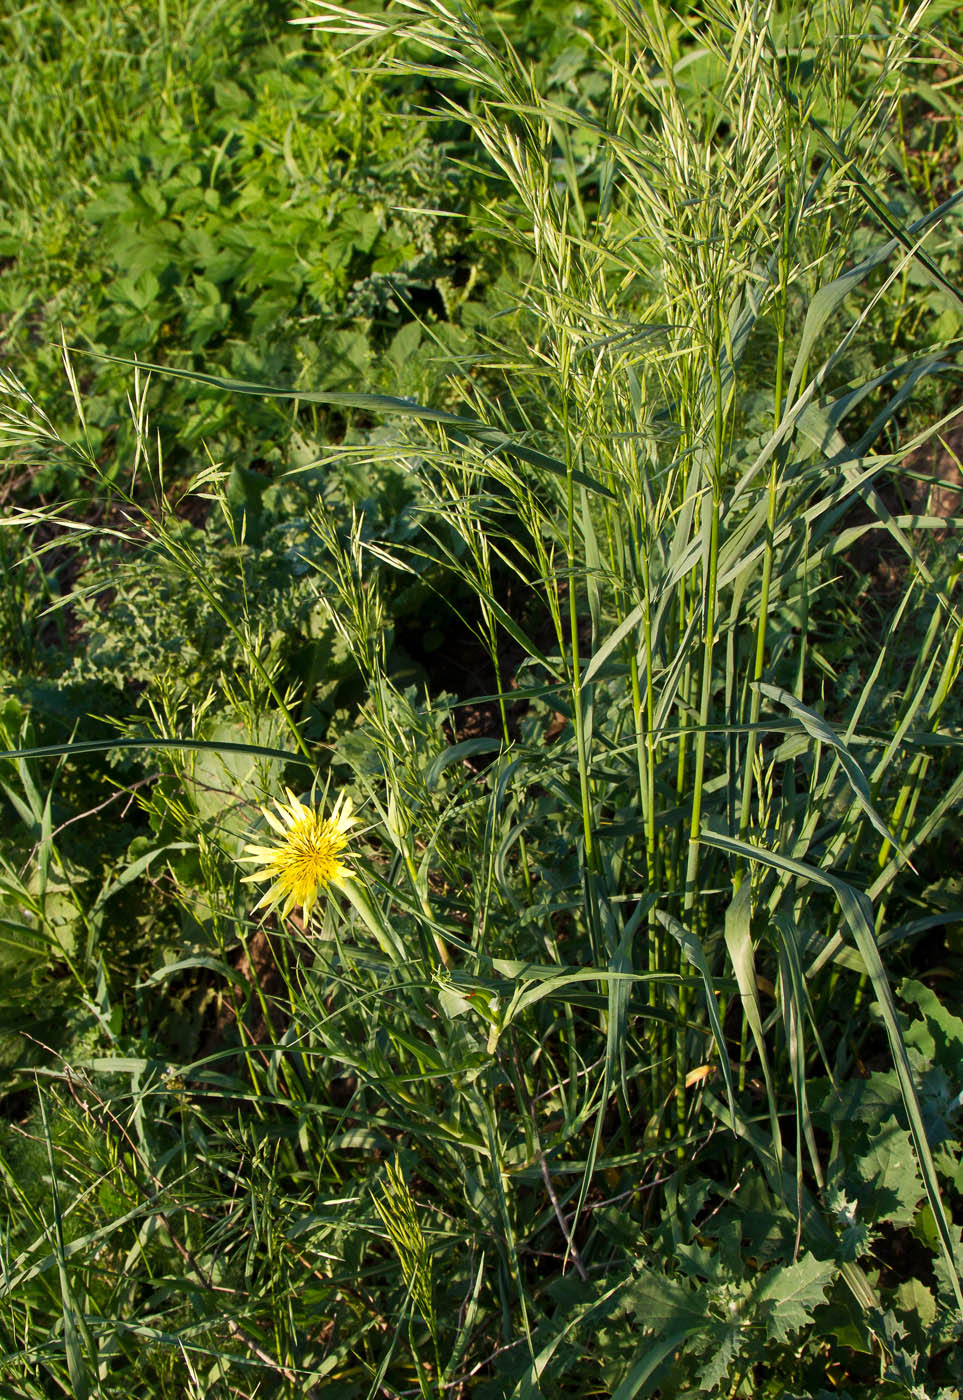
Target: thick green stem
x=705 y=698
x=576 y=676
x=755 y=701
x=710 y=589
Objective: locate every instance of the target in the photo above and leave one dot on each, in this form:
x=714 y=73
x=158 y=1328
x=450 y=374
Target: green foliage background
x=592 y=341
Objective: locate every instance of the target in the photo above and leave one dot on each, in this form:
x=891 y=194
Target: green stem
x=576 y=675
x=755 y=701
x=710 y=589
x=705 y=697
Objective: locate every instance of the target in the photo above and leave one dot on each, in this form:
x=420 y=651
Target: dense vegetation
x=548 y=447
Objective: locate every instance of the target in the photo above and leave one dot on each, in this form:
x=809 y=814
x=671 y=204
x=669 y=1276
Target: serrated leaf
x=871 y=1100
x=793 y=1292
x=945 y=1031
x=660 y=1306
x=725 y=1341
x=915 y=1307
x=892 y=1188
x=941 y=1267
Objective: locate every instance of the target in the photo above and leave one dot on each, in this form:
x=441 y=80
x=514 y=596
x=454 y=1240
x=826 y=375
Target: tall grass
x=566 y=966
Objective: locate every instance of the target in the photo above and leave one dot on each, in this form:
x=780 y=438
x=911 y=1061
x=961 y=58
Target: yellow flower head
x=308 y=858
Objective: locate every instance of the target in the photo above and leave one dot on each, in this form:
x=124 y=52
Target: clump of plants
x=595 y=1029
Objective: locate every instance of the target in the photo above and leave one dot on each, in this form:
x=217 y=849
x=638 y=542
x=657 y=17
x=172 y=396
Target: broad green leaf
x=792 y=1292
x=892 y=1188
x=659 y=1304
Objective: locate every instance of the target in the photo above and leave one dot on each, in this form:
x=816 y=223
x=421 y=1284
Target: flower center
x=311 y=853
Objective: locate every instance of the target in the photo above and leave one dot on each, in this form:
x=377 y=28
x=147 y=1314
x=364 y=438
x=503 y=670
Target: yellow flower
x=308 y=858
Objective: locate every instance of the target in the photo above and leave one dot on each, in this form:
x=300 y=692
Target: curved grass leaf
x=858 y=913
x=693 y=952
x=382 y=404
x=823 y=733
x=106 y=745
